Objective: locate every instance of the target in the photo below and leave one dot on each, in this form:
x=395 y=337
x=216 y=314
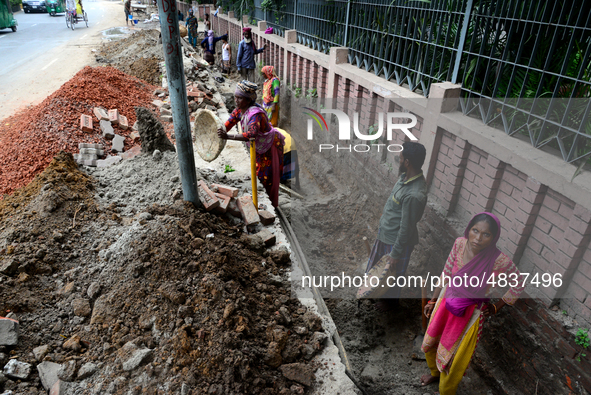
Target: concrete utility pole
x=175 y=73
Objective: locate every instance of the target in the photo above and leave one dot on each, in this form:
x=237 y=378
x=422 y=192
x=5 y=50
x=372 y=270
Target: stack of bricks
x=198 y=95
x=165 y=110
x=108 y=119
x=224 y=199
x=89 y=154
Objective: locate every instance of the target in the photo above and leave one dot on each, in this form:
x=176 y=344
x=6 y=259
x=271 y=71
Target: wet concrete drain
x=116 y=33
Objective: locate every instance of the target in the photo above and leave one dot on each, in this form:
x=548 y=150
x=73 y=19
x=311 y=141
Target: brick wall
x=546 y=218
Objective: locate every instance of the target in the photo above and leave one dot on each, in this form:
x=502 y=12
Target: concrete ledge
x=309 y=54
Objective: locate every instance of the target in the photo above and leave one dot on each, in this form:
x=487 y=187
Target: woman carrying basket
x=269 y=142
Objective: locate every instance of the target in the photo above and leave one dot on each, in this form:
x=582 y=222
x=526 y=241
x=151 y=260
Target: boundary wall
x=545 y=216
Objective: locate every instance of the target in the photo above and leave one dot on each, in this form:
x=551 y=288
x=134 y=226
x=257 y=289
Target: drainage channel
x=322 y=308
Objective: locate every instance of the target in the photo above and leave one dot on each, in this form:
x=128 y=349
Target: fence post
x=295 y=14
x=465 y=23
x=347 y=23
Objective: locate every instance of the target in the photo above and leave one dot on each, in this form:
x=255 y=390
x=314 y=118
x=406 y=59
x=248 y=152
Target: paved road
x=44 y=53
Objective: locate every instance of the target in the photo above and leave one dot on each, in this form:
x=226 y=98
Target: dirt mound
x=137 y=55
x=30 y=139
x=160 y=299
x=61 y=179
x=147 y=69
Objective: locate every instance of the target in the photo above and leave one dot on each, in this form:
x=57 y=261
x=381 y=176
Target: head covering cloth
x=458 y=298
x=210 y=41
x=246 y=29
x=247 y=90
x=269 y=72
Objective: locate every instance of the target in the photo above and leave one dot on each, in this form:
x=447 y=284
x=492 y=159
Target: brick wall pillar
x=291 y=37
x=526 y=213
x=456 y=174
x=490 y=183
x=230 y=14
x=571 y=248
x=262 y=26
x=338 y=55
x=245 y=20
x=443 y=97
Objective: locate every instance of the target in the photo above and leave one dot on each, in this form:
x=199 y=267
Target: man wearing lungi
x=397 y=233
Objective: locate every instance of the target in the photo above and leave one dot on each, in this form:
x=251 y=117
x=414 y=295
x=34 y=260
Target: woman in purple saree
x=458 y=309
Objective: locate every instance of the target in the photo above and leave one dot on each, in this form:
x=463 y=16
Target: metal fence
x=507 y=54
x=527 y=71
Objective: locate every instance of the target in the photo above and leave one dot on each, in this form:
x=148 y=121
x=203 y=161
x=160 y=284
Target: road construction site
x=110 y=283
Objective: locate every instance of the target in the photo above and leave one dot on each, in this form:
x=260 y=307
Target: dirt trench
x=383 y=348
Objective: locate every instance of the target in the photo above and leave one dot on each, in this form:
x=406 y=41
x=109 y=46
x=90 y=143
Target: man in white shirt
x=226 y=56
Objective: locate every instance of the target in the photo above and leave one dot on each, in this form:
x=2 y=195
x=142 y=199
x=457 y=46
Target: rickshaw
x=75 y=13
x=6 y=18
x=55 y=6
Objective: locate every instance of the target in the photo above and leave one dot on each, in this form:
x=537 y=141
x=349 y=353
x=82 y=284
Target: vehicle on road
x=34 y=5
x=6 y=17
x=55 y=6
x=75 y=13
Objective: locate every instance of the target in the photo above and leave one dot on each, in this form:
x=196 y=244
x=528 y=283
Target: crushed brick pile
x=30 y=139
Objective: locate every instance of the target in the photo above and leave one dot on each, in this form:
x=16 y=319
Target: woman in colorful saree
x=457 y=311
x=255 y=125
x=271 y=94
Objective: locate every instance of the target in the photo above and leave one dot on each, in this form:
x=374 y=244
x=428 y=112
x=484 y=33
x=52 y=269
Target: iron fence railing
x=524 y=65
x=527 y=70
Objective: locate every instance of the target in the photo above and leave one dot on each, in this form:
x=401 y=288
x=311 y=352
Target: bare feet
x=427 y=379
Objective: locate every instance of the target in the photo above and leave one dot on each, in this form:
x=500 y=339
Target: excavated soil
x=138 y=55
x=210 y=305
x=145 y=69
x=131 y=290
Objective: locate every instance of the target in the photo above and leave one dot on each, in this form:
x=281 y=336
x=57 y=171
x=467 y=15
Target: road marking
x=83 y=36
x=34 y=25
x=49 y=64
x=97 y=23
x=3 y=36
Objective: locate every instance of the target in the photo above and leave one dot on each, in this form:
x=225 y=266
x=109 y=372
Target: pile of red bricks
x=90 y=153
x=31 y=138
x=224 y=199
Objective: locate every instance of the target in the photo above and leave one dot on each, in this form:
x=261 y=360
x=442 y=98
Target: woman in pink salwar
x=458 y=309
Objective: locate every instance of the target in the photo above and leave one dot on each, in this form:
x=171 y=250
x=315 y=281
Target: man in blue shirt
x=208 y=44
x=245 y=57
